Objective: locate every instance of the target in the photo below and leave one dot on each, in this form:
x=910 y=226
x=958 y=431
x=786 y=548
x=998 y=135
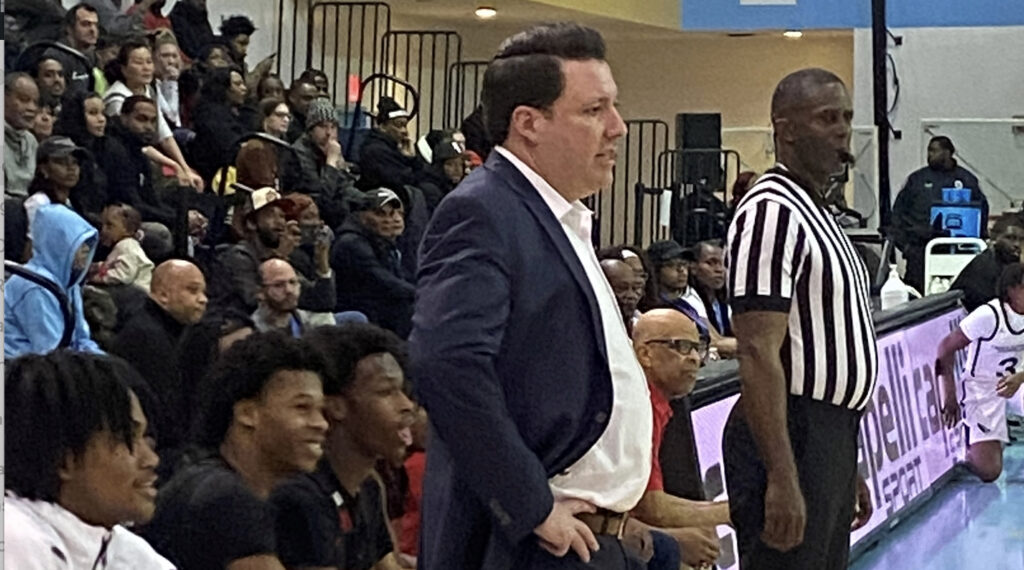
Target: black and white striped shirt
x=787 y=254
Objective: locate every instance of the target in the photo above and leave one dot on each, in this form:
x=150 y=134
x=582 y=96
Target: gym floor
x=967 y=525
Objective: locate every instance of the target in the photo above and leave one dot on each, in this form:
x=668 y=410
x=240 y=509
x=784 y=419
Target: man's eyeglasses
x=684 y=346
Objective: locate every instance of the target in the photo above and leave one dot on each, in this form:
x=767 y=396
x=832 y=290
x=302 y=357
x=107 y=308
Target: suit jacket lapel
x=553 y=228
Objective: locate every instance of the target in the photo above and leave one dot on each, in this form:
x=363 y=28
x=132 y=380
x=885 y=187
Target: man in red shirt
x=670 y=350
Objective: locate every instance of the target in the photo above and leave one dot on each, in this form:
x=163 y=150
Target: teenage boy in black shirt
x=334 y=517
x=263 y=423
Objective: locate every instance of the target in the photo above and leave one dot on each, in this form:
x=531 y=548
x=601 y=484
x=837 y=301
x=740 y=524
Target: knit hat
x=321 y=110
x=388 y=109
x=446 y=149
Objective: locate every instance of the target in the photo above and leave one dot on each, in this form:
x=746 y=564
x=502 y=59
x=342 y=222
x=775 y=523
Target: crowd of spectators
x=190 y=214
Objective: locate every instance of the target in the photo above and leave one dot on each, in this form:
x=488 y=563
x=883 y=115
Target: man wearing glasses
x=671 y=351
x=279 y=301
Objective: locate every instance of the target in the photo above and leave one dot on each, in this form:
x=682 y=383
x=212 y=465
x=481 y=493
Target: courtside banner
x=903 y=448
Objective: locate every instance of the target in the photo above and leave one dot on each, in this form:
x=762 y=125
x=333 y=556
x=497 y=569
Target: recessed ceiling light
x=793 y=34
x=485 y=12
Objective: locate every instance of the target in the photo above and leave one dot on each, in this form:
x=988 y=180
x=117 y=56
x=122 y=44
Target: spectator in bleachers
x=301 y=95
x=217 y=123
x=269 y=87
x=79 y=465
x=42 y=127
x=168 y=69
x=204 y=342
x=744 y=182
x=151 y=342
x=49 y=75
x=264 y=226
x=317 y=78
x=318 y=167
x=425 y=145
x=274 y=117
x=446 y=170
x=671 y=351
x=709 y=282
x=81 y=32
x=279 y=302
x=82 y=120
x=979 y=279
x=191 y=23
x=133 y=73
x=153 y=18
x=476 y=135
x=262 y=424
x=415 y=467
x=236 y=32
x=21 y=104
x=386 y=158
x=29 y=21
x=128 y=170
x=628 y=288
x=57 y=172
x=313 y=254
x=107 y=48
x=215 y=55
x=670 y=284
x=368 y=265
x=633 y=256
x=369 y=416
x=127 y=263
x=63 y=248
x=114 y=20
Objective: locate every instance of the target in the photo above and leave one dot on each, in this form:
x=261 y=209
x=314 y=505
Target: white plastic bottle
x=894 y=291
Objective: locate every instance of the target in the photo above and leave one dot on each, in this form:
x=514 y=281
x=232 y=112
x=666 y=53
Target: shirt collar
x=562 y=209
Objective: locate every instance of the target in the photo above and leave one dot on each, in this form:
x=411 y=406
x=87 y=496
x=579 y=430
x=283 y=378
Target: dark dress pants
x=824 y=440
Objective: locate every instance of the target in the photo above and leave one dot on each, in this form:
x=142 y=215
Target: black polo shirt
x=320 y=524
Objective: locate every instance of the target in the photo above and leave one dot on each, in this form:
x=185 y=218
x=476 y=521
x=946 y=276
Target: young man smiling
x=334 y=517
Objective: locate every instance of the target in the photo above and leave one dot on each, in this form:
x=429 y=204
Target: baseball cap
x=377 y=199
x=56 y=147
x=446 y=149
x=664 y=251
x=267 y=196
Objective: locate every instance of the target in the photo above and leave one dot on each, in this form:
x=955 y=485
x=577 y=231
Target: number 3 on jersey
x=1009 y=367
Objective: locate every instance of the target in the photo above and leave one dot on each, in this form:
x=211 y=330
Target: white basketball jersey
x=996 y=333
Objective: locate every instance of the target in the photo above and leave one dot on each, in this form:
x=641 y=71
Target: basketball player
x=992 y=374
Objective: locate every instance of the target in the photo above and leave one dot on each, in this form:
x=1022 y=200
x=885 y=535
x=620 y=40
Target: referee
x=802 y=320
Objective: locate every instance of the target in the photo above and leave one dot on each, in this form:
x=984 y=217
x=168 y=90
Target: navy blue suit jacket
x=509 y=360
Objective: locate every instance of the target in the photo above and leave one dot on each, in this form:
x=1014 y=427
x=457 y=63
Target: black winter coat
x=370 y=277
x=381 y=164
x=218 y=131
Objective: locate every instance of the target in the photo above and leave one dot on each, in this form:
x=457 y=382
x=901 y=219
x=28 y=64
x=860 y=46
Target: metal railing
x=422 y=58
x=622 y=219
x=465 y=82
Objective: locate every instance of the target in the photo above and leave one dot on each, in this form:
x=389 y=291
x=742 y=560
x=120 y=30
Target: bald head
x=180 y=289
x=664 y=341
x=279 y=287
x=799 y=89
x=664 y=324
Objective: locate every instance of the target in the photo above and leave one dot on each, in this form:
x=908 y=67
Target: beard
x=270 y=239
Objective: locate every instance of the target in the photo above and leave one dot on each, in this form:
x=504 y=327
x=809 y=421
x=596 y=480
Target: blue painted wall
x=842 y=14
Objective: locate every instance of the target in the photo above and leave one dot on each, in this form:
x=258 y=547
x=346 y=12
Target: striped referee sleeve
x=766 y=250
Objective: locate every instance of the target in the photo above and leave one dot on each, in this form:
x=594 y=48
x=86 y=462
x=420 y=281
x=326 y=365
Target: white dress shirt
x=613 y=474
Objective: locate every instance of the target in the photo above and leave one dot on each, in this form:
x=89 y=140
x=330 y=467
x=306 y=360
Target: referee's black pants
x=824 y=439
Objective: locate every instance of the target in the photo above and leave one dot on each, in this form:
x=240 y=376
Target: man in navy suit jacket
x=541 y=417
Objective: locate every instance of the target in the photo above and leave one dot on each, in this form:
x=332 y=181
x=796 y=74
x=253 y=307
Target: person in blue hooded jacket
x=64 y=245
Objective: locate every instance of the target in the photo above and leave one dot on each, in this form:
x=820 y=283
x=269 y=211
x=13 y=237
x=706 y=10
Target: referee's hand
x=785 y=514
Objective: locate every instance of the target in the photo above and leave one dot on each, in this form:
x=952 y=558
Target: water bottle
x=894 y=291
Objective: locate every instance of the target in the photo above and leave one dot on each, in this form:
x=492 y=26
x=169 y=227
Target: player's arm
x=953 y=343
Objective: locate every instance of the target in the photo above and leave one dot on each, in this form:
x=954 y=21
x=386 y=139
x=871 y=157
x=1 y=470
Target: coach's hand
x=785 y=514
x=562 y=530
x=862 y=507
